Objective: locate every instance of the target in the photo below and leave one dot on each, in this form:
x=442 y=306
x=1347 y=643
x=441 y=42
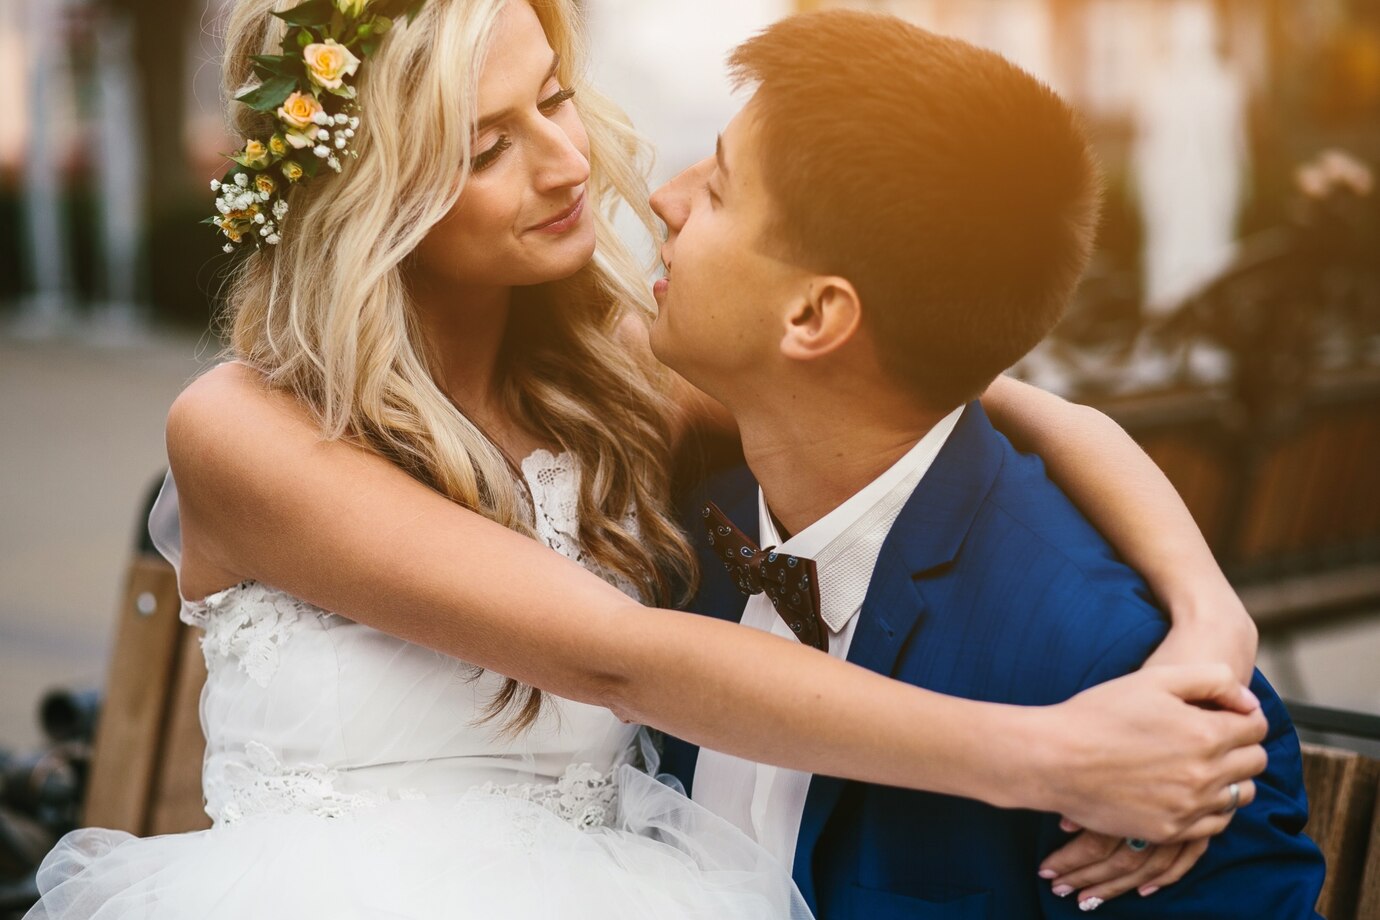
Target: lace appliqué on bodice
x=262 y=784
x=247 y=624
x=555 y=483
x=582 y=796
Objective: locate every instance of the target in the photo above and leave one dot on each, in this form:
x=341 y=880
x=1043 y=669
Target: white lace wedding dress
x=349 y=774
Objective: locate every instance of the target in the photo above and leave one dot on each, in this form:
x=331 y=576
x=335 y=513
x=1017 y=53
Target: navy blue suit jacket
x=992 y=586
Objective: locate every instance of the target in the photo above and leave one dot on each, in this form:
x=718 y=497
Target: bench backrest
x=1344 y=820
x=146 y=766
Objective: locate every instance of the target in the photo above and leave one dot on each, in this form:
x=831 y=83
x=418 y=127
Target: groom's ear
x=823 y=320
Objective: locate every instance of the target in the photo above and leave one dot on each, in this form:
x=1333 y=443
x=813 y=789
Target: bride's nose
x=561 y=163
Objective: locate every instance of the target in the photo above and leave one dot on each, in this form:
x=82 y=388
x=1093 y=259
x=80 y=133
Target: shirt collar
x=846 y=542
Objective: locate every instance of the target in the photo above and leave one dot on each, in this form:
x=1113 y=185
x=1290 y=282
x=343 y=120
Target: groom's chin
x=663 y=343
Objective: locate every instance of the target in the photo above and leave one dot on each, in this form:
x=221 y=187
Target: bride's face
x=522 y=217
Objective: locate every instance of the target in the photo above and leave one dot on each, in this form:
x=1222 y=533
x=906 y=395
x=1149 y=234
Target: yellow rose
x=298 y=110
x=351 y=7
x=329 y=63
x=263 y=182
x=255 y=155
x=278 y=145
x=292 y=170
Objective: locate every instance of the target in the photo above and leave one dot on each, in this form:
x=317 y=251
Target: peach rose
x=298 y=110
x=255 y=155
x=329 y=63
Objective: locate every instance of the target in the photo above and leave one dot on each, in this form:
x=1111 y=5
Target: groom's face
x=723 y=301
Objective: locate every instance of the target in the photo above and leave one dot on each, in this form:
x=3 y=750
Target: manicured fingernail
x=1149 y=890
x=1067 y=826
x=1048 y=874
x=1090 y=904
x=1252 y=700
x=1063 y=891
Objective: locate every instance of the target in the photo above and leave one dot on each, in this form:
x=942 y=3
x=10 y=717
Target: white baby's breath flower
x=228 y=247
x=260 y=218
x=333 y=163
x=341 y=119
x=273 y=239
x=215 y=185
x=241 y=180
x=354 y=122
x=280 y=208
x=349 y=132
x=221 y=206
x=340 y=143
x=321 y=150
x=321 y=118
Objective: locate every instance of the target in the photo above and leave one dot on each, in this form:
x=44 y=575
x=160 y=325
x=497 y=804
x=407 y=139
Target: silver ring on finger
x=1234 y=790
x=1137 y=844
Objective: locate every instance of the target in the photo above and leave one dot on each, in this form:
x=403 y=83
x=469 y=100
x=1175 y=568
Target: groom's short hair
x=956 y=192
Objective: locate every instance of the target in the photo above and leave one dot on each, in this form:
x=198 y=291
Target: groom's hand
x=1094 y=868
x=1141 y=757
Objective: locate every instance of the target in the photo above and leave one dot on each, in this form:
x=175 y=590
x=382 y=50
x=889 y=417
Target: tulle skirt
x=477 y=855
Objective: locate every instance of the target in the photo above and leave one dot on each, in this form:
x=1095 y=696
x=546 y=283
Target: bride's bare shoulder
x=229 y=419
x=231 y=399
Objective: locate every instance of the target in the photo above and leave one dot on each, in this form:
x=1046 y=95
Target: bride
x=440 y=376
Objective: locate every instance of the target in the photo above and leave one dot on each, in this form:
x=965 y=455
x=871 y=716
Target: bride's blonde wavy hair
x=325 y=314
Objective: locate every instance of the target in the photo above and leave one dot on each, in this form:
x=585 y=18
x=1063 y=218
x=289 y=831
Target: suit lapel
x=926 y=537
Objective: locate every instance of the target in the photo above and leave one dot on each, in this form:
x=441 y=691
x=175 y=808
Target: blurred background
x=1231 y=319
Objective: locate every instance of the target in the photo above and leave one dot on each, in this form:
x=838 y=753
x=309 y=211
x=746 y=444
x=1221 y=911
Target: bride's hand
x=1135 y=757
x=1097 y=867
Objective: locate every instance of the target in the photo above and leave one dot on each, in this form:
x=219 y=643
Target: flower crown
x=307 y=88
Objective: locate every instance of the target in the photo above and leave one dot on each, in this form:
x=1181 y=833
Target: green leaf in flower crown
x=394 y=9
x=270 y=94
x=310 y=164
x=311 y=13
x=268 y=66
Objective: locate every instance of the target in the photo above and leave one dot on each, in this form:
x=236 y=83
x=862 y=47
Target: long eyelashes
x=486 y=159
x=547 y=107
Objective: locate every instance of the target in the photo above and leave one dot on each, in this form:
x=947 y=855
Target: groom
x=891 y=221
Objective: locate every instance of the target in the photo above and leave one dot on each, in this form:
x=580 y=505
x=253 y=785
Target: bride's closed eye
x=548 y=107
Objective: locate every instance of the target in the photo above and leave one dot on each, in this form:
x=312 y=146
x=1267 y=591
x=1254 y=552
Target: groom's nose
x=673 y=200
x=670 y=206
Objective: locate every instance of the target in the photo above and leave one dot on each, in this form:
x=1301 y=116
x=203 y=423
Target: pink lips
x=564 y=220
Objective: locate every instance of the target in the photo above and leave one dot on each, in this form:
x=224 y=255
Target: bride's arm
x=1133 y=504
x=264 y=497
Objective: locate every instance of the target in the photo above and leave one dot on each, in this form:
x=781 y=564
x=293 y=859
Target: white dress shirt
x=767 y=802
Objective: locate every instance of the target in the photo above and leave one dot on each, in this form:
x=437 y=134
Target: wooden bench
x=146 y=766
x=1345 y=823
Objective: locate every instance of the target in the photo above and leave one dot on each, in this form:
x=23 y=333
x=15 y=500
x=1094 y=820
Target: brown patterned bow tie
x=789 y=581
